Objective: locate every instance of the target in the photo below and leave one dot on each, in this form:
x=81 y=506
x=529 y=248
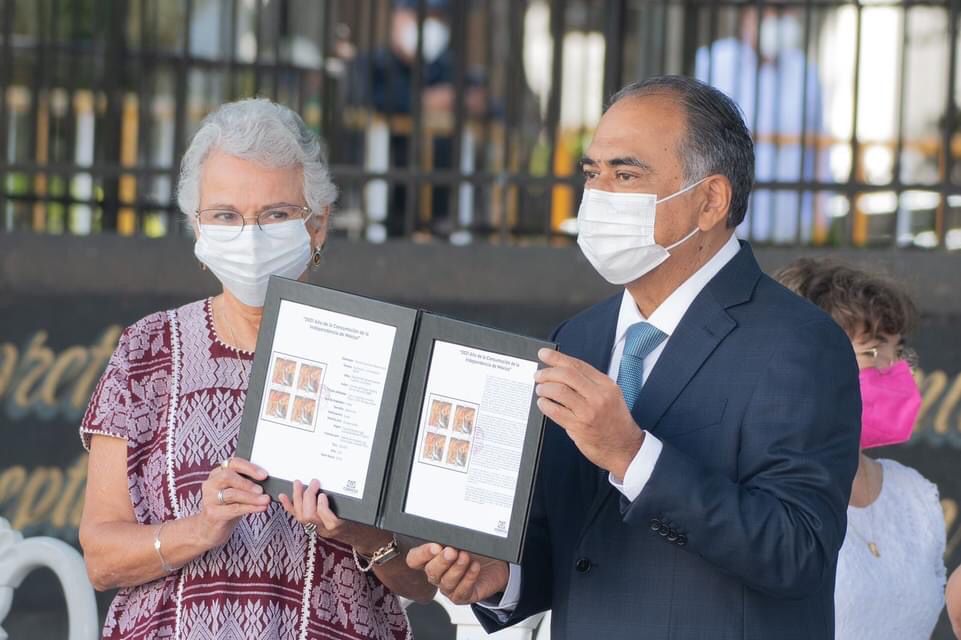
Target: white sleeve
x=640 y=469
x=508 y=601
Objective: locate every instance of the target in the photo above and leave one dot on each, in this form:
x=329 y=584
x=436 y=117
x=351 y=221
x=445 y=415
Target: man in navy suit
x=704 y=424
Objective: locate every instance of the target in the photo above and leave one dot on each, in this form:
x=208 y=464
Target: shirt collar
x=669 y=314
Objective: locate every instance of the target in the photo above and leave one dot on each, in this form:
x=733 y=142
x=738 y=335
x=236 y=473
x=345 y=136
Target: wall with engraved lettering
x=63 y=303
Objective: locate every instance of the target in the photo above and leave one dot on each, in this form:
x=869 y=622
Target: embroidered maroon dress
x=176 y=393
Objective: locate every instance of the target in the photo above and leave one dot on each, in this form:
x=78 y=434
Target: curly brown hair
x=861 y=303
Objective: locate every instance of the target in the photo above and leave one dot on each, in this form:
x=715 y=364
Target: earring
x=315 y=258
x=203 y=267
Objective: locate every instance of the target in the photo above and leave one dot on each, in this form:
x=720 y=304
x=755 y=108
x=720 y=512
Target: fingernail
x=435 y=549
x=543 y=353
x=539 y=389
x=450 y=554
x=258 y=488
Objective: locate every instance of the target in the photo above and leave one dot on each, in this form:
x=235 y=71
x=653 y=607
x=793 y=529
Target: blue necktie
x=642 y=338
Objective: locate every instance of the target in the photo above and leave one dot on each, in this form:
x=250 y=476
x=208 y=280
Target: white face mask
x=245 y=262
x=436 y=39
x=615 y=231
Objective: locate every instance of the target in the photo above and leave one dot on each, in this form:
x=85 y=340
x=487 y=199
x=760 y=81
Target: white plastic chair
x=19 y=556
x=468 y=628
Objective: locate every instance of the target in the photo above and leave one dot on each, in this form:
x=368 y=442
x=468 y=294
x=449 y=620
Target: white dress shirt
x=666 y=318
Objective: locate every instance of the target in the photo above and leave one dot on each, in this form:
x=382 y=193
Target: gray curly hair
x=264 y=132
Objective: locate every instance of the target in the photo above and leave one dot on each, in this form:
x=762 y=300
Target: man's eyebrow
x=631 y=161
x=626 y=161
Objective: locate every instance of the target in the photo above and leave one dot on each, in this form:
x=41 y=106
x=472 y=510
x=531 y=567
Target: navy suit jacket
x=736 y=533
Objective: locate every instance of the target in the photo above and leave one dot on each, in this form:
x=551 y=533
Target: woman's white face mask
x=615 y=231
x=244 y=263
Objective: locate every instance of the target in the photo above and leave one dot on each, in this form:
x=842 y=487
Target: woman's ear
x=317 y=228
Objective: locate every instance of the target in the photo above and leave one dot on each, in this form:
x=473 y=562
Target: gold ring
x=220 y=498
x=225 y=465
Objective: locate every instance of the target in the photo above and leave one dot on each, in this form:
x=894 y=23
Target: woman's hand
x=309 y=506
x=229 y=494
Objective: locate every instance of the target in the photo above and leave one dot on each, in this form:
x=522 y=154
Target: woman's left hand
x=309 y=506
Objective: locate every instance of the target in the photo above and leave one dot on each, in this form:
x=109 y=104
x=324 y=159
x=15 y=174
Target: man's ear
x=716 y=202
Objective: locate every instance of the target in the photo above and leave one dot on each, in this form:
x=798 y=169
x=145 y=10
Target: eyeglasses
x=877 y=357
x=235 y=221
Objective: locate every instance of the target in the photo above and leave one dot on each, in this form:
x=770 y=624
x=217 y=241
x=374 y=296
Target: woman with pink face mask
x=891 y=575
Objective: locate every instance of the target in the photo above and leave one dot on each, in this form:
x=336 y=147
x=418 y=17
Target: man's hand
x=459 y=576
x=591 y=408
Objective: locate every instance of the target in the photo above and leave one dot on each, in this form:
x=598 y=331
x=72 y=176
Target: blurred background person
x=891 y=574
x=171 y=518
x=767 y=72
x=383 y=80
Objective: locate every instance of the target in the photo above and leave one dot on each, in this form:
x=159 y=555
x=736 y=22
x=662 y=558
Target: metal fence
x=465 y=118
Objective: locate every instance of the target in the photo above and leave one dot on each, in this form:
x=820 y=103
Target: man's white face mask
x=244 y=263
x=615 y=231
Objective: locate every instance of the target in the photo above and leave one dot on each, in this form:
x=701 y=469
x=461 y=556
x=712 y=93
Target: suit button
x=681 y=540
x=583 y=565
x=655 y=525
x=664 y=531
x=672 y=536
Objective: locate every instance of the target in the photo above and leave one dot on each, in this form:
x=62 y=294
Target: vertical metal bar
x=258 y=39
x=145 y=110
x=615 y=24
x=855 y=145
x=459 y=11
x=414 y=148
x=232 y=84
x=712 y=37
x=756 y=99
x=180 y=117
x=950 y=121
x=328 y=128
x=902 y=108
x=515 y=48
x=662 y=49
x=279 y=66
x=40 y=63
x=692 y=19
x=5 y=62
x=113 y=61
x=776 y=137
x=799 y=221
x=554 y=99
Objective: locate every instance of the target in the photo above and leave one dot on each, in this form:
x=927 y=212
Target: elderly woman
x=890 y=576
x=171 y=518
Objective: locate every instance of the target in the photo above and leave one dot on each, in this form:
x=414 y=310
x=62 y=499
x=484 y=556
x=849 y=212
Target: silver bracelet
x=156 y=545
x=381 y=556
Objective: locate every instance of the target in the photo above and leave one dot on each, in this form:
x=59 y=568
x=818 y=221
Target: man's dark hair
x=862 y=303
x=716 y=141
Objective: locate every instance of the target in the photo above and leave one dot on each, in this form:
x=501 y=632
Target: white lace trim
x=173 y=407
x=209 y=319
x=175 y=359
x=308 y=583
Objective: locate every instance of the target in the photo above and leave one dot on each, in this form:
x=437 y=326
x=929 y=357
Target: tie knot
x=642 y=338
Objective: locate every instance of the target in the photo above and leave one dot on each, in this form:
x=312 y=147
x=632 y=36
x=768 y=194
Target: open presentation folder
x=412 y=422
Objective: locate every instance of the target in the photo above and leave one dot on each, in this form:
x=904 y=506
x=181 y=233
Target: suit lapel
x=703 y=327
x=705 y=324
